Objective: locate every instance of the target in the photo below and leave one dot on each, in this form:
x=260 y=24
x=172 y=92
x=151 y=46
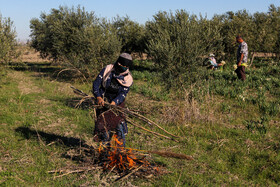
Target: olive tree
x=131 y=34
x=274 y=27
x=233 y=24
x=264 y=35
x=75 y=38
x=177 y=42
x=7 y=40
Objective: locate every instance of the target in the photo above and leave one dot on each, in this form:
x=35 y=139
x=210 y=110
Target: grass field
x=231 y=129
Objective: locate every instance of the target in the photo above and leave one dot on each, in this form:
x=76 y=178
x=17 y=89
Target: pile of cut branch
x=115 y=161
x=129 y=114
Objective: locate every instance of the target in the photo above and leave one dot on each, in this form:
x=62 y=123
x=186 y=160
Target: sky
x=22 y=11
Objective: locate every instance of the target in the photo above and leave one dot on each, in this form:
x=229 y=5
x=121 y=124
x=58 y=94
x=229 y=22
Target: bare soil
x=28 y=54
x=25 y=85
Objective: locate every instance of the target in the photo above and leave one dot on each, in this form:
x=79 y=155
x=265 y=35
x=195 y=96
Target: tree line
x=175 y=41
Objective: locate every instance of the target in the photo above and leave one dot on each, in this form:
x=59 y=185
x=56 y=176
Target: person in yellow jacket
x=242 y=57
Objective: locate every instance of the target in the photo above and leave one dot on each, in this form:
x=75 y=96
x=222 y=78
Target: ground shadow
x=46 y=69
x=28 y=133
x=78 y=150
x=56 y=72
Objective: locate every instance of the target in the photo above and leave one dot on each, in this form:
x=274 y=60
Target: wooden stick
x=162 y=153
x=126 y=111
x=74 y=171
x=110 y=172
x=150 y=131
x=127 y=175
x=77 y=91
x=149 y=121
x=73 y=69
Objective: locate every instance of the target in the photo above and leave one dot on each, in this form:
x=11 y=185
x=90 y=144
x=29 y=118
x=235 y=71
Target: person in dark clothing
x=242 y=57
x=112 y=85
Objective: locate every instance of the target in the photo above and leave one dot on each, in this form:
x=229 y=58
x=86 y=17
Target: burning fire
x=116 y=156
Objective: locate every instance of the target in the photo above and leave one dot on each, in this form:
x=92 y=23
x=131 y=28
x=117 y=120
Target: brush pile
x=129 y=115
x=113 y=160
x=124 y=162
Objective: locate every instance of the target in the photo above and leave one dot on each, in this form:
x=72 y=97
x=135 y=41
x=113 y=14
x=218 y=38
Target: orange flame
x=115 y=141
x=130 y=161
x=100 y=148
x=121 y=158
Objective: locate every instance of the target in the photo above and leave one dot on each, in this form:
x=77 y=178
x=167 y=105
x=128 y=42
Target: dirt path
x=25 y=84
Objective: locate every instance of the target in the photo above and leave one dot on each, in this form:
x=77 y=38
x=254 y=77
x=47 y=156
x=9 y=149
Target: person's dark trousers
x=240 y=71
x=121 y=132
x=107 y=123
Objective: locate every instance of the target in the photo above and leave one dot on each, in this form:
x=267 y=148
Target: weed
x=257 y=125
x=225 y=108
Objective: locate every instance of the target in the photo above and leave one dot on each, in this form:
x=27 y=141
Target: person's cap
x=211 y=55
x=125 y=59
x=238 y=37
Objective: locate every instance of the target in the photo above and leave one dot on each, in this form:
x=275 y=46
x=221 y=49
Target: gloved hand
x=100 y=101
x=238 y=64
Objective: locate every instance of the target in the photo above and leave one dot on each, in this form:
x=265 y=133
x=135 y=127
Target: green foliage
x=260 y=125
x=131 y=34
x=264 y=80
x=19 y=116
x=7 y=40
x=260 y=30
x=233 y=24
x=274 y=27
x=148 y=81
x=76 y=38
x=177 y=42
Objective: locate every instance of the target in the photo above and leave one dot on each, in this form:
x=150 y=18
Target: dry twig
x=73 y=171
x=134 y=124
x=161 y=153
x=127 y=175
x=126 y=112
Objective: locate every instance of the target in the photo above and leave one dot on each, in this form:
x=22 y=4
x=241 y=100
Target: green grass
x=231 y=129
x=24 y=159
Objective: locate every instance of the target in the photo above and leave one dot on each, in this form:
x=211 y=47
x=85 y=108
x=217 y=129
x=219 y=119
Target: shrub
x=7 y=40
x=234 y=24
x=131 y=34
x=76 y=38
x=177 y=42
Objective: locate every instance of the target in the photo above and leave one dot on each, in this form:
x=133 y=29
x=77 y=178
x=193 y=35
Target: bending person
x=112 y=85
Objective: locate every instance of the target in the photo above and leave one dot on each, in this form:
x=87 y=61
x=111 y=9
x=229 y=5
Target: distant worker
x=112 y=85
x=242 y=57
x=213 y=63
